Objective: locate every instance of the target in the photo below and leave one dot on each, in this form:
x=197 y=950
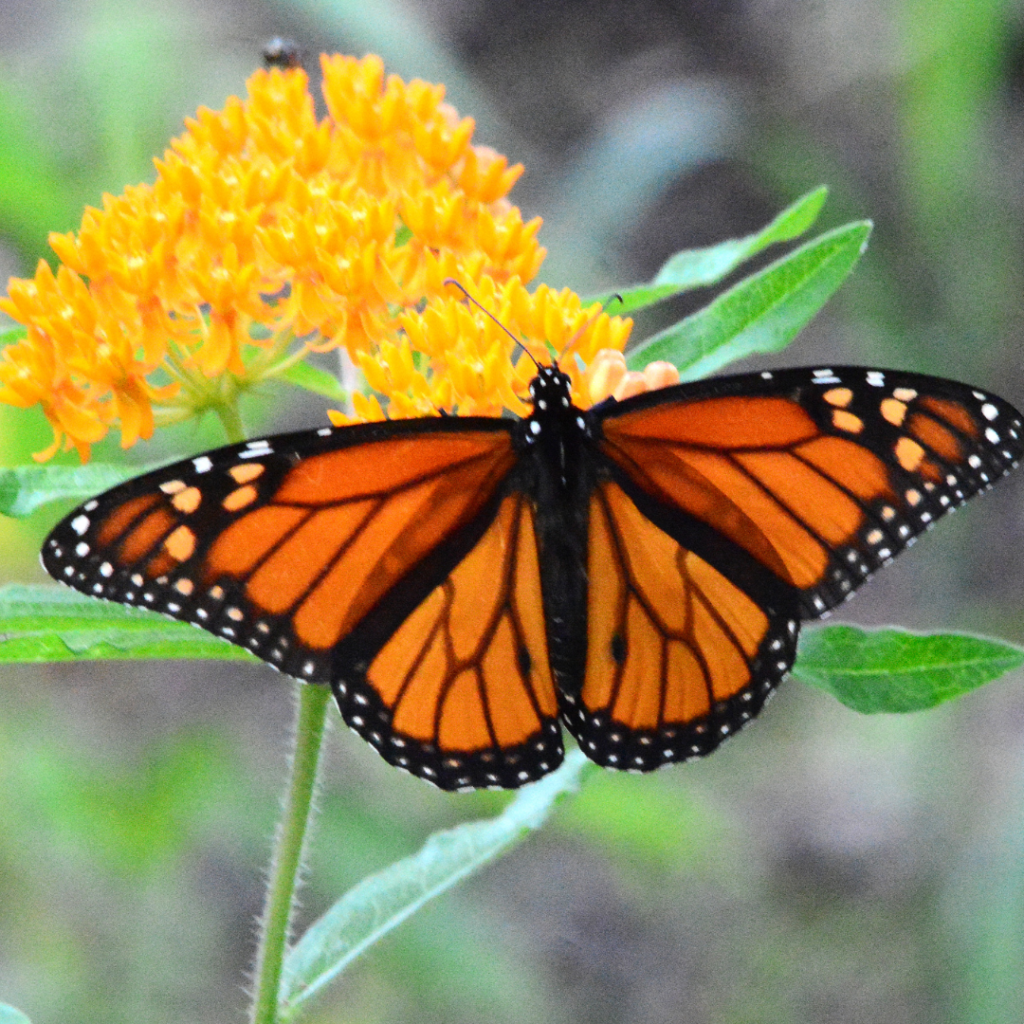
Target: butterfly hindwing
x=679 y=655
x=823 y=476
x=461 y=691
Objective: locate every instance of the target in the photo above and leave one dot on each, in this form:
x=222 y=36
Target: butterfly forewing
x=284 y=546
x=822 y=476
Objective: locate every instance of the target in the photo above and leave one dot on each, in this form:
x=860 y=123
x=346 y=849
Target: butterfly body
x=635 y=572
x=556 y=446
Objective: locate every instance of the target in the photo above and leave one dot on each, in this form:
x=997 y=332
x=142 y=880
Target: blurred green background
x=824 y=867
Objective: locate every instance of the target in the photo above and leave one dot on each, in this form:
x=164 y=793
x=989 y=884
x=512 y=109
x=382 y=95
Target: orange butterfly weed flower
x=608 y=377
x=270 y=232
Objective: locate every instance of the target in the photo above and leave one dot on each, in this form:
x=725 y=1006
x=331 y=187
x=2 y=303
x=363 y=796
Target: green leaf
x=700 y=268
x=890 y=670
x=52 y=623
x=378 y=904
x=762 y=313
x=23 y=489
x=312 y=378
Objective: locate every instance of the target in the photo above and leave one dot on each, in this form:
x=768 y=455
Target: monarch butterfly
x=636 y=571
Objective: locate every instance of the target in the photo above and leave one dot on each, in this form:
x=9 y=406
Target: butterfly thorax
x=553 y=438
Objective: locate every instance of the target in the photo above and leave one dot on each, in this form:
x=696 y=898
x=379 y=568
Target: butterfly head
x=550 y=390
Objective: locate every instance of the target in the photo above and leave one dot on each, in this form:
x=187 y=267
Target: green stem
x=311 y=714
x=231 y=421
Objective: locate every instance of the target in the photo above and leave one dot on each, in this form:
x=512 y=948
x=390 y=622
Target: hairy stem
x=311 y=714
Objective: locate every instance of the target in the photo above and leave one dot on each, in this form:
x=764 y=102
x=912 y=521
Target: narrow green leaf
x=762 y=313
x=9 y=1015
x=700 y=268
x=378 y=904
x=312 y=378
x=23 y=489
x=53 y=623
x=890 y=670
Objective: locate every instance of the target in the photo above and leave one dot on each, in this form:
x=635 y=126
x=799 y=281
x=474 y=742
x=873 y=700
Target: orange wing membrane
x=283 y=546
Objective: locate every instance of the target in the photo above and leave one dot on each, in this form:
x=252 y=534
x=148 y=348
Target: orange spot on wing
x=188 y=500
x=246 y=472
x=909 y=454
x=847 y=421
x=839 y=397
x=893 y=411
x=180 y=544
x=240 y=498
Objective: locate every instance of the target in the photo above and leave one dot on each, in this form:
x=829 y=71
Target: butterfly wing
x=312 y=549
x=737 y=506
x=823 y=476
x=680 y=654
x=461 y=691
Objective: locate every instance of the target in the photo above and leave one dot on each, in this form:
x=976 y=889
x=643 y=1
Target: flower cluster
x=270 y=232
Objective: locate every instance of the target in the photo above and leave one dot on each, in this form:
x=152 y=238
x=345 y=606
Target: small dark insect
x=282 y=53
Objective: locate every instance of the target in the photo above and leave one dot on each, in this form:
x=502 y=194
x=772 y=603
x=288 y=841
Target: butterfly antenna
x=586 y=323
x=483 y=309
